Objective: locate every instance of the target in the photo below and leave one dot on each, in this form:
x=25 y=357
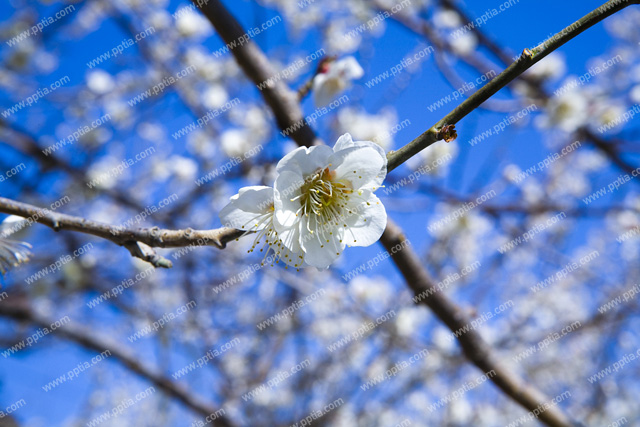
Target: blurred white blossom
x=335 y=78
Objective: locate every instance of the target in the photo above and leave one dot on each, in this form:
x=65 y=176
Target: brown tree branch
x=255 y=64
x=138 y=241
x=535 y=85
x=21 y=140
x=473 y=346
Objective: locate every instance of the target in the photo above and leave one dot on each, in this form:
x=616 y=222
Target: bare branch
x=528 y=58
x=583 y=132
x=280 y=98
x=138 y=241
x=23 y=141
x=474 y=347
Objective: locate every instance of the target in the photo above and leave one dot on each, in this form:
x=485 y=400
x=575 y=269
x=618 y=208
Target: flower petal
x=305 y=160
x=383 y=171
x=337 y=79
x=286 y=200
x=13 y=253
x=292 y=258
x=362 y=166
x=323 y=246
x=289 y=249
x=246 y=208
x=345 y=142
x=366 y=227
x=11 y=225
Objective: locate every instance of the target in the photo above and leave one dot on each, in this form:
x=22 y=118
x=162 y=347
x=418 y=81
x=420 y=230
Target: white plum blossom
x=334 y=78
x=324 y=199
x=321 y=202
x=160 y=19
x=100 y=82
x=568 y=111
x=464 y=44
x=335 y=37
x=607 y=113
x=447 y=19
x=192 y=24
x=207 y=67
x=215 y=97
x=183 y=168
x=236 y=142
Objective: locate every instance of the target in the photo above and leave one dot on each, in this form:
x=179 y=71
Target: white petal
x=326 y=88
x=244 y=208
x=323 y=246
x=11 y=224
x=287 y=213
x=318 y=81
x=291 y=252
x=375 y=146
x=13 y=253
x=292 y=258
x=321 y=96
x=305 y=160
x=362 y=166
x=365 y=233
x=345 y=142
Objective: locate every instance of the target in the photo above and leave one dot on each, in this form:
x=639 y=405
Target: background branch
x=473 y=346
x=22 y=312
x=278 y=96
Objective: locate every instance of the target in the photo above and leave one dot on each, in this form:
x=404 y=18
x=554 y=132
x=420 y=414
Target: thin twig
x=535 y=85
x=528 y=58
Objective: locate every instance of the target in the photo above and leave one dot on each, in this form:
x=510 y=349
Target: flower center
x=322 y=196
x=325 y=201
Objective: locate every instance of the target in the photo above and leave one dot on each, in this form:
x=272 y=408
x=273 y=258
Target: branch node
x=448 y=133
x=527 y=54
x=147 y=253
x=155 y=233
